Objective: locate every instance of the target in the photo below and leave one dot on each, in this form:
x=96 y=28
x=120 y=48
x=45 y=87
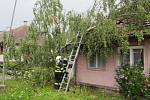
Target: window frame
x=97 y=67
x=131 y=48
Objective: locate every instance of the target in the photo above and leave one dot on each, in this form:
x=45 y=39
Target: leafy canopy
x=56 y=28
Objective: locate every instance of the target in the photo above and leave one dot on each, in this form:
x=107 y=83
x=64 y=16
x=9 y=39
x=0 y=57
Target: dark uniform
x=59 y=73
x=65 y=62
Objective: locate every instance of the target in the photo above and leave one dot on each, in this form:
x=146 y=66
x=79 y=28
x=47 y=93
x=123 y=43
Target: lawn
x=18 y=90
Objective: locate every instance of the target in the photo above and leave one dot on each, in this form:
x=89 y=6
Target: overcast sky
x=24 y=10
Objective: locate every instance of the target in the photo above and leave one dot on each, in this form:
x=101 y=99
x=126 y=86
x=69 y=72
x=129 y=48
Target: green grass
x=18 y=90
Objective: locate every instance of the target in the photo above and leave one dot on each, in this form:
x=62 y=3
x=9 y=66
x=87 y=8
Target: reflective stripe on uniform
x=62 y=68
x=56 y=83
x=57 y=67
x=58 y=71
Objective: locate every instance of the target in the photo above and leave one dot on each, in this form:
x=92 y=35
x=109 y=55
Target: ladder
x=71 y=64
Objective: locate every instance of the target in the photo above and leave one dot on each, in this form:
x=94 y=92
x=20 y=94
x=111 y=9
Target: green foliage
x=11 y=65
x=105 y=37
x=136 y=13
x=133 y=13
x=38 y=76
x=52 y=29
x=28 y=48
x=51 y=21
x=78 y=22
x=11 y=68
x=11 y=47
x=14 y=68
x=58 y=28
x=48 y=14
x=131 y=81
x=147 y=89
x=16 y=90
x=19 y=94
x=19 y=90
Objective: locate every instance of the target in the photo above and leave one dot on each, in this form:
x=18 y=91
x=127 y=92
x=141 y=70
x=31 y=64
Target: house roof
x=18 y=33
x=124 y=22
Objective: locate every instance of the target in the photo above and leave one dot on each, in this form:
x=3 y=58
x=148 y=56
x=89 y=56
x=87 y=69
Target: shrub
x=14 y=68
x=10 y=68
x=131 y=81
x=38 y=76
x=11 y=65
x=147 y=89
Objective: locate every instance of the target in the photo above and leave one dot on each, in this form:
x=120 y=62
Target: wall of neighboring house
x=105 y=77
x=147 y=56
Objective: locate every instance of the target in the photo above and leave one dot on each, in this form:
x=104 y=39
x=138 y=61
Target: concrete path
x=7 y=77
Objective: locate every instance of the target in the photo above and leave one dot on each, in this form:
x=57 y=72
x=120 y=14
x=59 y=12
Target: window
x=96 y=62
x=138 y=56
x=134 y=56
x=124 y=58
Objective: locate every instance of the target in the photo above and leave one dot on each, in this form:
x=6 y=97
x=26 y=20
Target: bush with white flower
x=131 y=81
x=147 y=89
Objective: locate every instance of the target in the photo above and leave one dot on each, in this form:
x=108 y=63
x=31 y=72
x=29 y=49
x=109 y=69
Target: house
x=100 y=72
x=18 y=33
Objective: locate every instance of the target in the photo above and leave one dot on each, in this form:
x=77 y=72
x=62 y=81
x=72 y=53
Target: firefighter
x=65 y=62
x=59 y=71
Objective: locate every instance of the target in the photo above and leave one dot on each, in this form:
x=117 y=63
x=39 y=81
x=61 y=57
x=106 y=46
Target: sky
x=24 y=10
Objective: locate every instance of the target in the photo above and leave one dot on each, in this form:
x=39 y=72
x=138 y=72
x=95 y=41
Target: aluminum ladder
x=71 y=64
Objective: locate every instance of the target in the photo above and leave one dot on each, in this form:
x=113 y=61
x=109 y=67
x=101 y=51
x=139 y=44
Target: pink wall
x=105 y=77
x=147 y=56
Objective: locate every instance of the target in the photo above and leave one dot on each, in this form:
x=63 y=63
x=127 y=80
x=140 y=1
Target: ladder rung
x=65 y=83
x=72 y=59
x=70 y=63
x=63 y=88
x=74 y=52
x=73 y=55
x=65 y=77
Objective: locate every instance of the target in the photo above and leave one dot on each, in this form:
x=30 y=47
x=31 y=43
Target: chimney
x=25 y=22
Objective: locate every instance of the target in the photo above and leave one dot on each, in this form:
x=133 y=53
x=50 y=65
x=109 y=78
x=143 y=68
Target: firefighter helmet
x=58 y=60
